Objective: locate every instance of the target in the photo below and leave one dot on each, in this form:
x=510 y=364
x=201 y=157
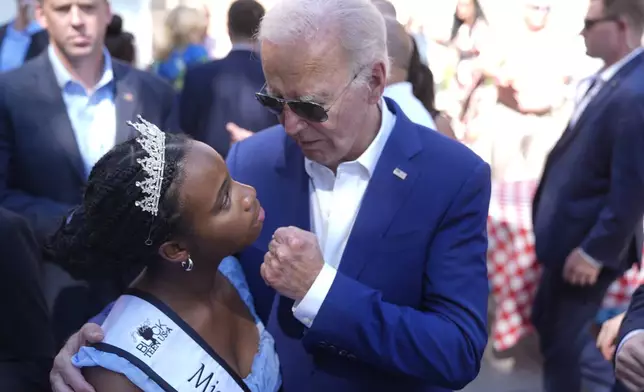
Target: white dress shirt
x=403 y=94
x=92 y=113
x=334 y=201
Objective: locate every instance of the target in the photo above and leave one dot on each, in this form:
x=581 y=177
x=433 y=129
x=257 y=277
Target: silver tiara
x=152 y=140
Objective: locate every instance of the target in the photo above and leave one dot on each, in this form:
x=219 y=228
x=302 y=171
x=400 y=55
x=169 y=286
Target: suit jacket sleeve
x=634 y=319
x=44 y=215
x=624 y=206
x=441 y=341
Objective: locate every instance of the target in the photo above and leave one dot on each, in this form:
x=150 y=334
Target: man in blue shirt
x=21 y=39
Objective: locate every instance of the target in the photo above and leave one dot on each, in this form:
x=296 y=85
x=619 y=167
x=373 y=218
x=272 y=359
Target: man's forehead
x=306 y=72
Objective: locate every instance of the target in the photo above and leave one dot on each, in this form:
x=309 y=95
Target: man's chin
x=78 y=52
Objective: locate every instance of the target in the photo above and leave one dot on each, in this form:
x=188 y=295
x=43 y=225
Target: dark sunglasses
x=590 y=23
x=307 y=110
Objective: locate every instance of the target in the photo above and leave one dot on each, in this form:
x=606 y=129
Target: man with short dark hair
x=220 y=94
x=588 y=208
x=59 y=114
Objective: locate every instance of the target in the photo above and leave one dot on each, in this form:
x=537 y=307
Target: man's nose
x=291 y=122
x=76 y=18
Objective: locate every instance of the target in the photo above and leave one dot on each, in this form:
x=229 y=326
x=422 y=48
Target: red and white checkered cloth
x=513 y=269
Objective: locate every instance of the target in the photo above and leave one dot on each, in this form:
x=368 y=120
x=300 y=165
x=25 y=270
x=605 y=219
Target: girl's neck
x=179 y=288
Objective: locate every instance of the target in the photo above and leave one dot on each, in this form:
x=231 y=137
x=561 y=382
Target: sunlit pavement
x=518 y=370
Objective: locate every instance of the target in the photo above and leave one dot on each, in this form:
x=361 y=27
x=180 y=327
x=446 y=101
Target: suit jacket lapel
x=54 y=113
x=591 y=109
x=125 y=101
x=385 y=194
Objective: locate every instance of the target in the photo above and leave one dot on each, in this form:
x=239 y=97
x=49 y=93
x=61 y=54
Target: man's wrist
x=591 y=260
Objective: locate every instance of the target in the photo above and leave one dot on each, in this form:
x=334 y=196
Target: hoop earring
x=187 y=265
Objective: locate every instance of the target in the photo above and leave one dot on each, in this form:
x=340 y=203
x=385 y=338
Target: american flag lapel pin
x=128 y=97
x=400 y=174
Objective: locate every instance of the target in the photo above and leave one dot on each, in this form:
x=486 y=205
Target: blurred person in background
x=400 y=47
x=181 y=44
x=468 y=38
x=386 y=8
x=26 y=341
x=424 y=88
x=218 y=104
x=22 y=38
x=120 y=44
x=59 y=113
x=529 y=68
x=588 y=207
x=410 y=83
x=207 y=40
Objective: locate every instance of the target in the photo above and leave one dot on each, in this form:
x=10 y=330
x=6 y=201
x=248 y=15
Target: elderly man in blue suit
x=371 y=268
x=588 y=208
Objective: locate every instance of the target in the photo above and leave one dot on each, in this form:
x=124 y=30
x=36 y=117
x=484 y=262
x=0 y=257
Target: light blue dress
x=264 y=375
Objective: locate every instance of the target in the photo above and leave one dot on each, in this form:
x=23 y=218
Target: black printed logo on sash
x=149 y=336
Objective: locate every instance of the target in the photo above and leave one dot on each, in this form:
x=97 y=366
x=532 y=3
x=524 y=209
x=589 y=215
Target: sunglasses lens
x=270 y=103
x=309 y=110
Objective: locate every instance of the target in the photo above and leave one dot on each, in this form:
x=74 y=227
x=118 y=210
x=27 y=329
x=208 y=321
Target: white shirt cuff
x=306 y=309
x=590 y=259
x=628 y=336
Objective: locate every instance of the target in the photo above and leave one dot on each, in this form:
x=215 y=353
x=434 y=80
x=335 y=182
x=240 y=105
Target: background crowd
x=509 y=81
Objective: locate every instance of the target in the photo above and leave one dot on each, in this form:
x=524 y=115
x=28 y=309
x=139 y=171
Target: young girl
x=167 y=205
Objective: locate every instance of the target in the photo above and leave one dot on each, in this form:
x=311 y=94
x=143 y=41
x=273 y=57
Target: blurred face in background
x=536 y=14
x=465 y=9
x=76 y=27
x=26 y=8
x=601 y=34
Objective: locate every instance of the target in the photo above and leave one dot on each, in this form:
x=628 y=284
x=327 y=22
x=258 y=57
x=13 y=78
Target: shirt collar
x=63 y=77
x=369 y=159
x=607 y=74
x=402 y=88
x=244 y=46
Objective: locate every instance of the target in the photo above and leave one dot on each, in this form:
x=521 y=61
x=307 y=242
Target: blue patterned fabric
x=174 y=68
x=264 y=375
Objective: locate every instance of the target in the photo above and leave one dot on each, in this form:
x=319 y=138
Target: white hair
x=358 y=26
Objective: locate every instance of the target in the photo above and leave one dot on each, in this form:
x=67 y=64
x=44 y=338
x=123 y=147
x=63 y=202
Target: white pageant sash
x=147 y=333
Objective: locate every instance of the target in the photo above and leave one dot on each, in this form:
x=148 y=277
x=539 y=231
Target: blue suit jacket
x=41 y=169
x=223 y=91
x=591 y=194
x=408 y=308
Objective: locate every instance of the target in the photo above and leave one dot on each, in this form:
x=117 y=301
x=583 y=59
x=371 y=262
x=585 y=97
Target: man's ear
x=377 y=82
x=174 y=252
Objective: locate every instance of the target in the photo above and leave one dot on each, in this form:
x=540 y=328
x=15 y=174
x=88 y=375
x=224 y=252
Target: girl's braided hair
x=108 y=235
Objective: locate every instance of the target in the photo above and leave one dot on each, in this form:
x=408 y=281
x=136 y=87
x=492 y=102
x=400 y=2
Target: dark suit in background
x=26 y=342
x=38 y=44
x=591 y=196
x=220 y=92
x=42 y=171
